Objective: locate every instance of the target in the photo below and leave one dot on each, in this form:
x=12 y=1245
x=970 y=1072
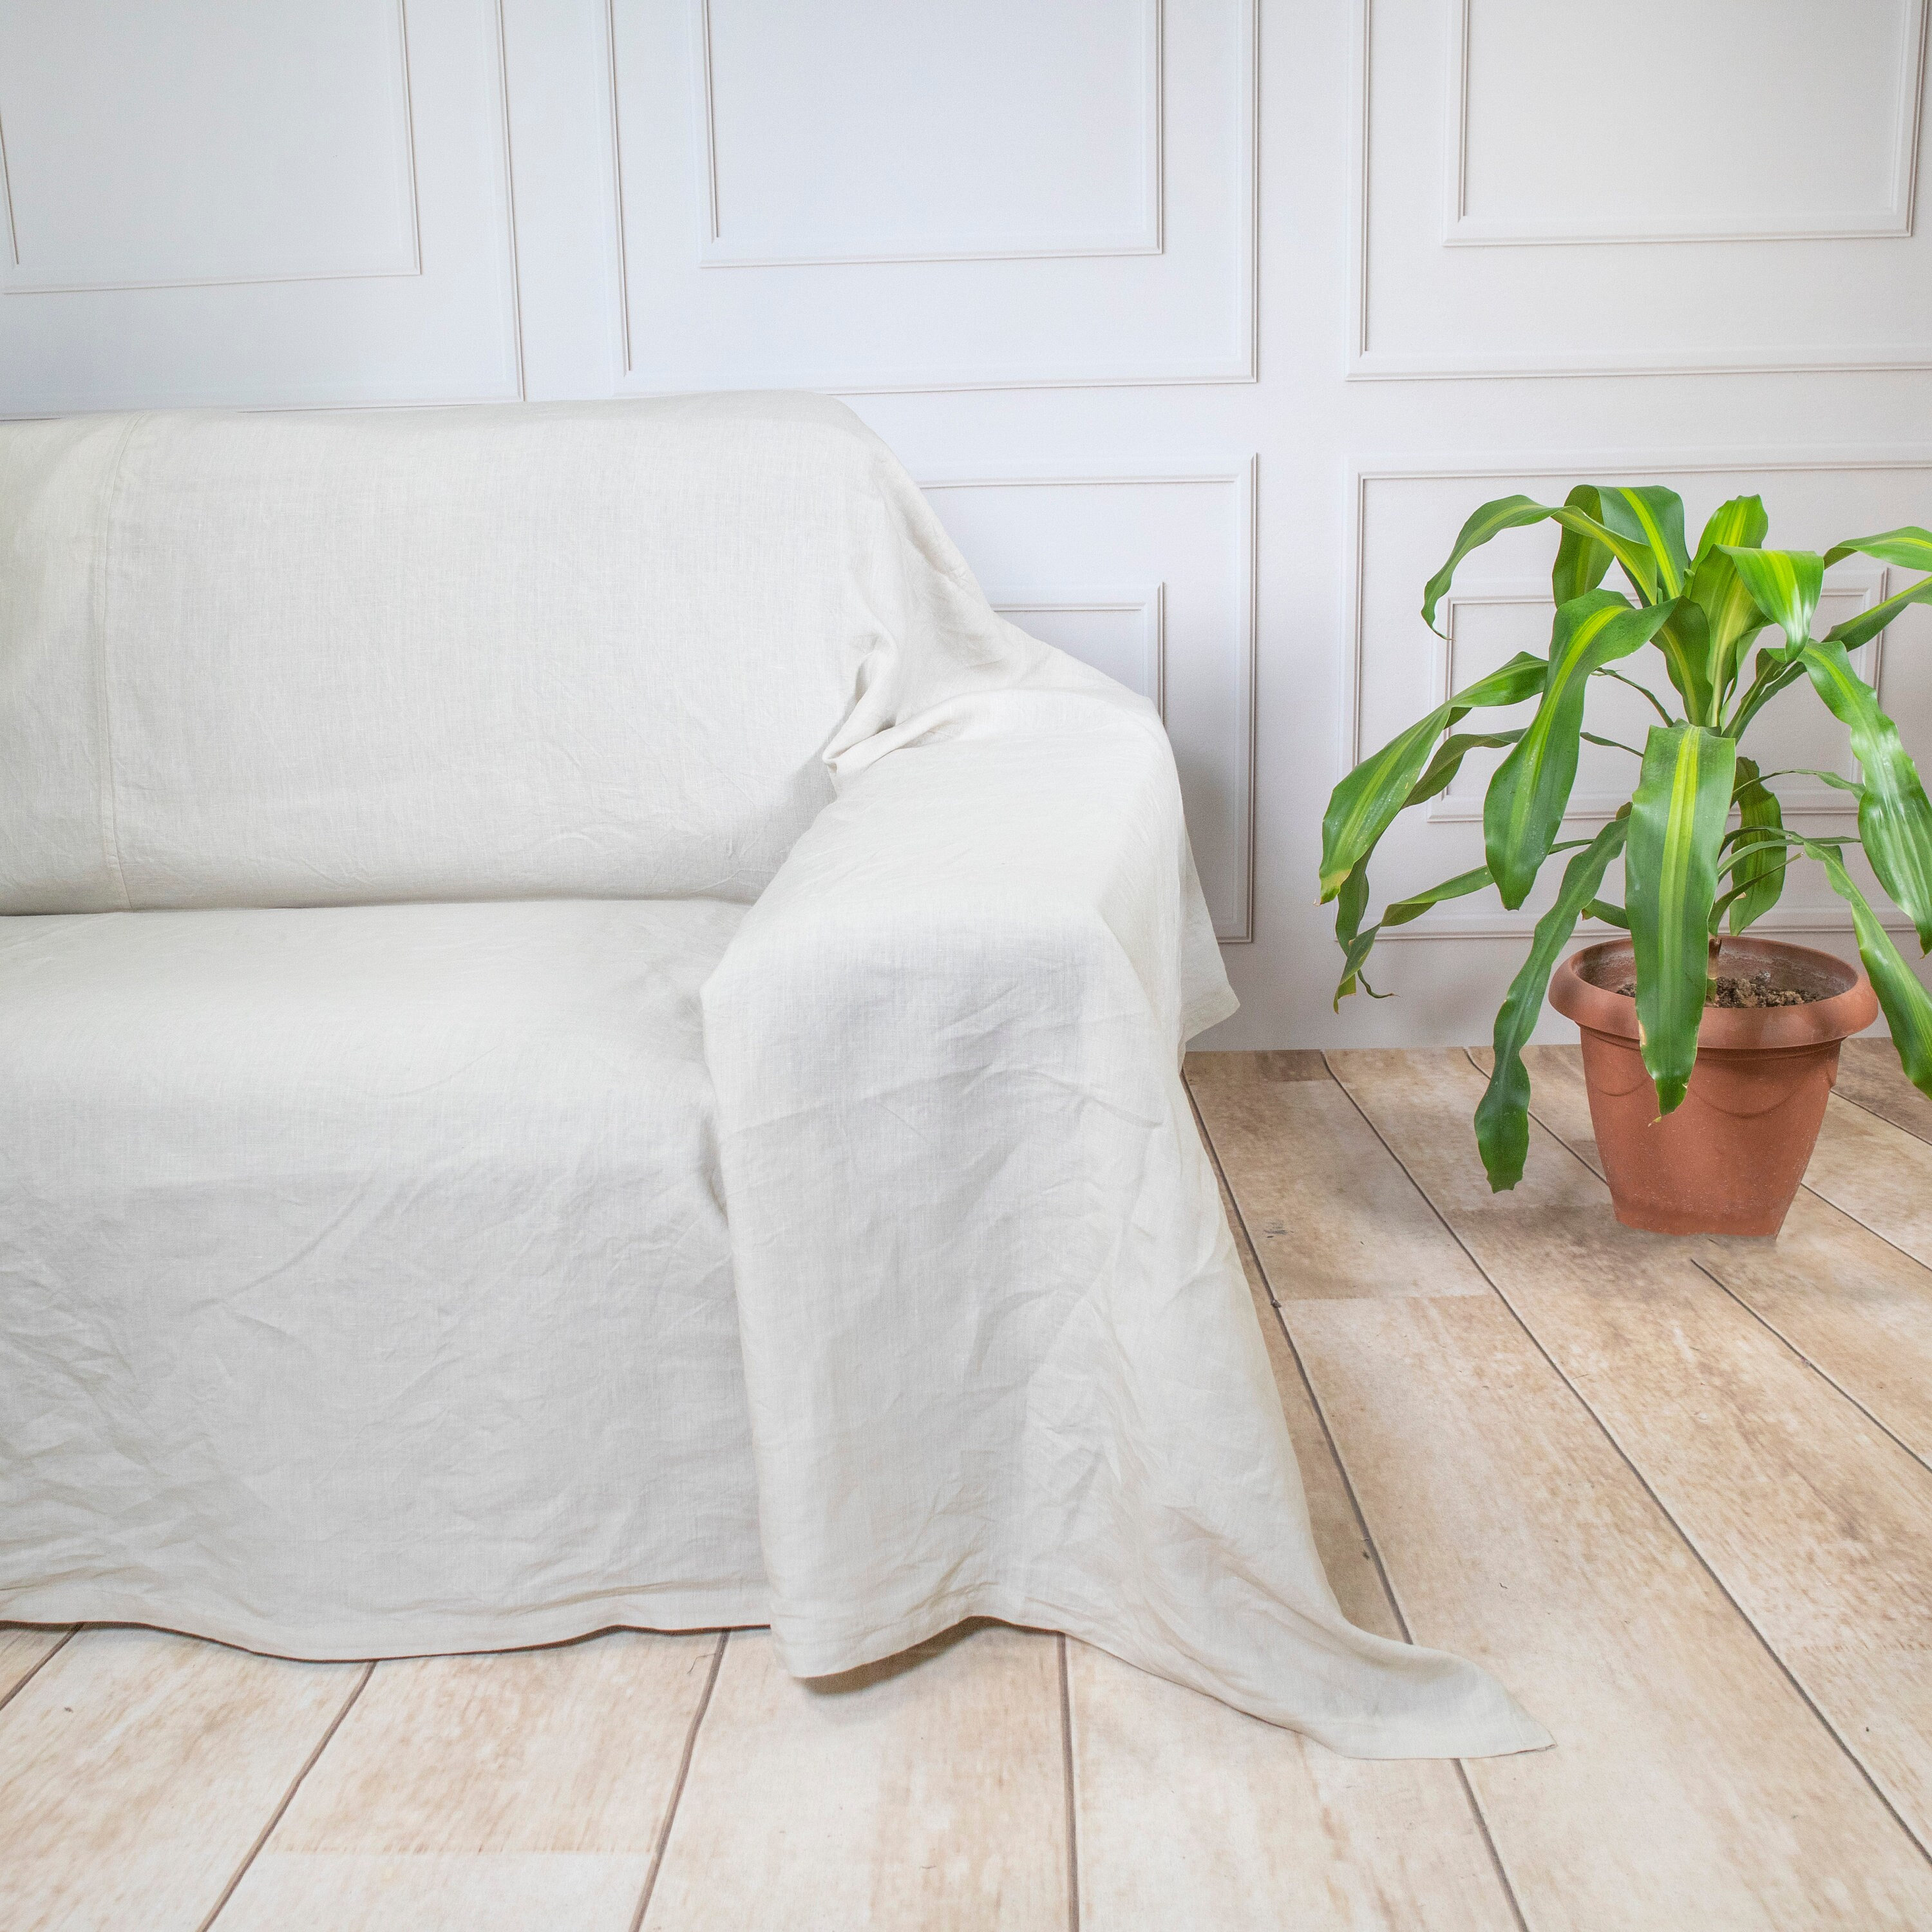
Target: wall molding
x=1895 y=221
x=13 y=285
x=1148 y=604
x=716 y=249
x=1242 y=476
x=1244 y=367
x=1366 y=364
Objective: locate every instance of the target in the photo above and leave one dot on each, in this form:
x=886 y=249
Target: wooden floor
x=1678 y=1493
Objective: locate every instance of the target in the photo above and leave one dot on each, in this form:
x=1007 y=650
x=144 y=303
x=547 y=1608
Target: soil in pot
x=1730 y=1159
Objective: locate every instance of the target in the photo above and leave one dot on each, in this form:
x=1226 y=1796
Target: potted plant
x=1712 y=1144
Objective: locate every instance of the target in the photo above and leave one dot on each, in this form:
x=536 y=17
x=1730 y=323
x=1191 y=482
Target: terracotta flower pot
x=1729 y=1160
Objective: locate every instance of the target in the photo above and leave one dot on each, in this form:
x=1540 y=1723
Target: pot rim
x=1746 y=1029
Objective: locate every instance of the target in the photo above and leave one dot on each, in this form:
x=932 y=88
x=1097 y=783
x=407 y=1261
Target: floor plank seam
x=663 y=1844
x=253 y=1852
x=1067 y=1787
x=1369 y=1542
x=1757 y=1314
x=1824 y=1374
x=1877 y=1233
x=40 y=1665
x=1624 y=1455
x=1873 y=1113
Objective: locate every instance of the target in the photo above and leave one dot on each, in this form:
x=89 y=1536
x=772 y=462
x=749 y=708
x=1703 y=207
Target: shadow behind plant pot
x=1730 y=1159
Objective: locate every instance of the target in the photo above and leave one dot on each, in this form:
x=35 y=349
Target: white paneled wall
x=1204 y=322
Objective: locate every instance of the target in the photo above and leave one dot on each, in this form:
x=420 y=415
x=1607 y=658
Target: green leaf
x=1509 y=513
x=1894 y=819
x=1731 y=616
x=1502 y=1115
x=1773 y=672
x=1909 y=547
x=1685 y=642
x=1902 y=1001
x=1652 y=517
x=1742 y=520
x=1677 y=826
x=1505 y=513
x=1757 y=878
x=1611 y=915
x=1784 y=584
x=1524 y=804
x=1867 y=624
x=1448 y=761
x=1356 y=944
x=1364 y=804
x=1581 y=560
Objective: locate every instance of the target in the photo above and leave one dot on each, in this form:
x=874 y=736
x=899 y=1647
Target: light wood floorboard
x=137 y=1770
x=24 y=1648
x=1877 y=1173
x=488 y=1794
x=1817 y=1523
x=1869 y=1076
x=1282 y=1833
x=1691 y=1783
x=1672 y=1492
x=927 y=1792
x=1857 y=1308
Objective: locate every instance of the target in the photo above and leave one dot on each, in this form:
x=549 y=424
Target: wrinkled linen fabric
x=372 y=1276
x=363 y=1283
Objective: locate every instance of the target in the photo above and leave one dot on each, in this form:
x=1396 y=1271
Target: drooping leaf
x=1510 y=513
x=1357 y=944
x=1448 y=761
x=1364 y=804
x=1677 y=825
x=1757 y=878
x=1524 y=804
x=1742 y=520
x=1652 y=517
x=1582 y=561
x=1909 y=547
x=1867 y=624
x=1894 y=817
x=1502 y=1115
x=1902 y=1001
x=1785 y=585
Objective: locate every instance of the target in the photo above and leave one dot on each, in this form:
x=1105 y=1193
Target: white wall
x=1204 y=326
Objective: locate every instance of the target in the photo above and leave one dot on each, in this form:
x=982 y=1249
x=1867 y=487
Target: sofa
x=589 y=1038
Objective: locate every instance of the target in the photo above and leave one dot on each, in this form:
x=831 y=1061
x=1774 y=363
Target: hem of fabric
x=828 y=1651
x=394 y=1633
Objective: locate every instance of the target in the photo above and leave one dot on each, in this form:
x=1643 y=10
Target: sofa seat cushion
x=364 y=1268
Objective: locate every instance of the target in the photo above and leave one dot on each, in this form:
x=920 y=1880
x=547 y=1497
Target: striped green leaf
x=1902 y=1001
x=1757 y=877
x=1867 y=624
x=1678 y=814
x=1364 y=804
x=1448 y=761
x=1582 y=561
x=1510 y=513
x=1894 y=818
x=1731 y=616
x=1785 y=585
x=1909 y=547
x=1524 y=804
x=1653 y=517
x=1742 y=520
x=1502 y=1115
x=1685 y=642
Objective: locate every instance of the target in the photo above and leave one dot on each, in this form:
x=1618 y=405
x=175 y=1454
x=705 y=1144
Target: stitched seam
x=110 y=818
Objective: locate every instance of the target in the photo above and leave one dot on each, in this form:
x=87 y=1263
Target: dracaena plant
x=1702 y=837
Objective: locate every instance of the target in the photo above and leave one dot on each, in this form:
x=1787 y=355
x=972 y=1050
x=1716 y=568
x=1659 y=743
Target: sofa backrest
x=307 y=658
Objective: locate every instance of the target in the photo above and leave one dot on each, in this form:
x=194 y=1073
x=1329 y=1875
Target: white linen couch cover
x=587 y=1037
